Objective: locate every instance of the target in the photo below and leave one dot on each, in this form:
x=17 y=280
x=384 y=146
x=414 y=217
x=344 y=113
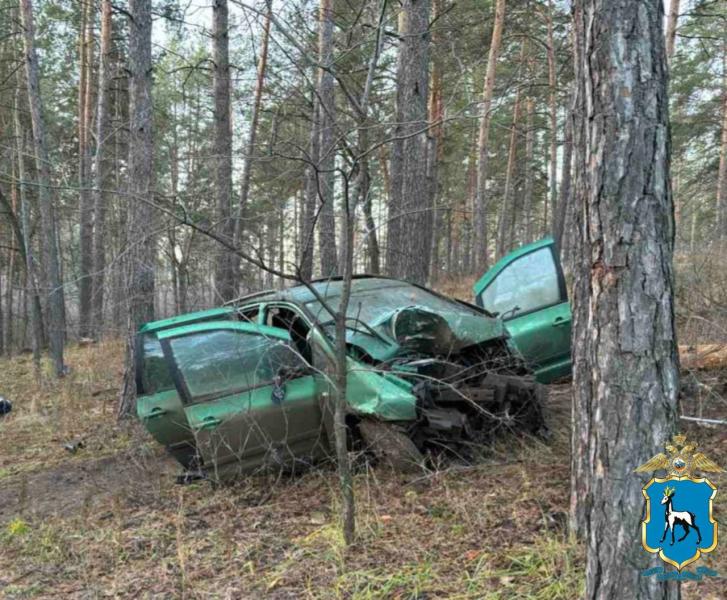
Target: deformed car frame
x=249 y=385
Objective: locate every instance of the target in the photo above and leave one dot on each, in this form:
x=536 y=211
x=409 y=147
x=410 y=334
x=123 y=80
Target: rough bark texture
x=626 y=373
x=481 y=199
x=252 y=138
x=225 y=279
x=409 y=237
x=101 y=168
x=141 y=256
x=327 y=125
x=52 y=280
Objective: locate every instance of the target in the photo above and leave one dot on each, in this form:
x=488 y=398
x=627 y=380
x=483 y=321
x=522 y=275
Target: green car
x=527 y=290
x=248 y=386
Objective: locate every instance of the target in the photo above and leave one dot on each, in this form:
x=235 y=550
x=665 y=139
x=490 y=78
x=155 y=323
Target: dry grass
x=108 y=521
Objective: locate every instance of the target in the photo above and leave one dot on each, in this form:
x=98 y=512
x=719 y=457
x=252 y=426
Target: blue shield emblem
x=678 y=523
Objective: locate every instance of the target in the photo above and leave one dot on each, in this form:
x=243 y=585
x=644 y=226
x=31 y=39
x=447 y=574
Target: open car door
x=249 y=397
x=526 y=288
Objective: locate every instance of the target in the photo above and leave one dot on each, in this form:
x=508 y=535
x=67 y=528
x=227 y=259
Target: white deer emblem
x=672 y=518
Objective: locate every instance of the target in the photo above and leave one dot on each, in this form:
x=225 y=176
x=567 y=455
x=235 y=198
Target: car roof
x=328 y=287
x=187 y=319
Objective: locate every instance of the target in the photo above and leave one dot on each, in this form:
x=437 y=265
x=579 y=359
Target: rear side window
x=224 y=362
x=155 y=375
x=528 y=283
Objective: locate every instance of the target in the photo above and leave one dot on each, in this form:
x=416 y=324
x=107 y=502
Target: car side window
x=155 y=375
x=224 y=362
x=528 y=283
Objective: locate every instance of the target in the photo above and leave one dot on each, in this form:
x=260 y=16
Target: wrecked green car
x=248 y=386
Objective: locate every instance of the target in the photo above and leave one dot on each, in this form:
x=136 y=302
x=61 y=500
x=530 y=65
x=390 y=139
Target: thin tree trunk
x=436 y=143
x=507 y=208
x=327 y=120
x=529 y=168
x=252 y=138
x=225 y=279
x=483 y=144
x=141 y=251
x=564 y=205
x=722 y=174
x=86 y=204
x=553 y=115
x=308 y=216
x=53 y=284
x=36 y=312
x=626 y=369
x=671 y=28
x=101 y=171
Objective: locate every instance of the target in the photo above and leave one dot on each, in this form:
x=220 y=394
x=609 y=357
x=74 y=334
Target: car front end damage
x=461 y=376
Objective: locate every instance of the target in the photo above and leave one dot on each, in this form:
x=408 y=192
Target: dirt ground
x=107 y=520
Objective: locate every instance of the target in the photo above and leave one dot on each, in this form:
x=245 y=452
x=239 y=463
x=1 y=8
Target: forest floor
x=108 y=521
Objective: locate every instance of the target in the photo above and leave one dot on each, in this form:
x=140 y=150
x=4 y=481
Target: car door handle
x=156 y=412
x=208 y=422
x=560 y=322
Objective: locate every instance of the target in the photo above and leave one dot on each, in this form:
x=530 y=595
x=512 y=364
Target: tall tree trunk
x=564 y=205
x=410 y=216
x=225 y=279
x=553 y=116
x=141 y=251
x=85 y=282
x=722 y=174
x=671 y=28
x=101 y=168
x=53 y=284
x=435 y=152
x=327 y=122
x=508 y=206
x=36 y=312
x=529 y=168
x=310 y=203
x=252 y=138
x=483 y=144
x=626 y=371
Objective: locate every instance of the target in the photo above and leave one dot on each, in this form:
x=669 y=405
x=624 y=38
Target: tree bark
x=481 y=195
x=101 y=170
x=410 y=217
x=626 y=375
x=436 y=143
x=225 y=279
x=252 y=138
x=46 y=201
x=141 y=252
x=85 y=281
x=327 y=122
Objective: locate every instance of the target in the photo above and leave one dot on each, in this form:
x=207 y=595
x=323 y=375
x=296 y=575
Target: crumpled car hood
x=419 y=330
